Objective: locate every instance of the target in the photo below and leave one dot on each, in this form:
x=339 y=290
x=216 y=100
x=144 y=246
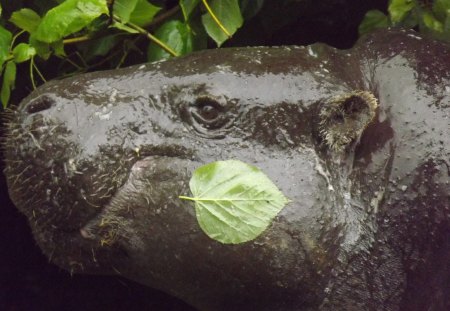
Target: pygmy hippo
x=358 y=140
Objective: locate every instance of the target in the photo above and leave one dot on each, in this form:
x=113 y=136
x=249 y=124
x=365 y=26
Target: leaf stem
x=67 y=59
x=187 y=198
x=34 y=67
x=77 y=39
x=151 y=37
x=208 y=8
x=31 y=73
x=39 y=73
x=13 y=41
x=221 y=200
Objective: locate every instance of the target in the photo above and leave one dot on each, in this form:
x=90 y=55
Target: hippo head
x=357 y=140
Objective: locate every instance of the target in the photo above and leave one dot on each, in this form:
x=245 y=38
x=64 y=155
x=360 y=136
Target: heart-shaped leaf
x=234 y=201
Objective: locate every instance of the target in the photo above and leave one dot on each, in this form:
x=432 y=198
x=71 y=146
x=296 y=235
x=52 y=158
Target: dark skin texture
x=97 y=162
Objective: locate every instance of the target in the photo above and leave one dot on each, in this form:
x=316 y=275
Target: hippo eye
x=209 y=117
x=209 y=113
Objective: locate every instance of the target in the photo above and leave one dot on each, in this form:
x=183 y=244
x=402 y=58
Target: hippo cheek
x=163 y=246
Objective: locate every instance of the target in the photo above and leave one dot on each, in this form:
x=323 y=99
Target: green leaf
x=99 y=24
x=432 y=23
x=68 y=18
x=123 y=9
x=229 y=15
x=200 y=37
x=398 y=9
x=58 y=48
x=143 y=13
x=23 y=52
x=372 y=20
x=441 y=9
x=411 y=20
x=234 y=202
x=1 y=9
x=187 y=6
x=9 y=77
x=177 y=35
x=5 y=42
x=42 y=48
x=26 y=19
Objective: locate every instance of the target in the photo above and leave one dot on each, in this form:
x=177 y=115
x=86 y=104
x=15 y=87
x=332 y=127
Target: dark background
x=29 y=282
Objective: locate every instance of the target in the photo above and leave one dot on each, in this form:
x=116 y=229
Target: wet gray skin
x=96 y=163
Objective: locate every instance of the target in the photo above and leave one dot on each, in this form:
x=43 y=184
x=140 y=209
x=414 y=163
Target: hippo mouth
x=151 y=189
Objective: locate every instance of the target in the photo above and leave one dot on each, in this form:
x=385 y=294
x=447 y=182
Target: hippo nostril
x=343 y=118
x=43 y=102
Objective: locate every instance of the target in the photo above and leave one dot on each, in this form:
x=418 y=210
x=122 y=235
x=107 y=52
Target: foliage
x=74 y=36
x=84 y=34
x=432 y=17
x=234 y=202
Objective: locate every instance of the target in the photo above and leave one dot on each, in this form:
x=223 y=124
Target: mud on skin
x=357 y=139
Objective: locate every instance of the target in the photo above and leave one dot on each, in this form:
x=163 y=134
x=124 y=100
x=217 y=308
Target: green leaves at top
x=398 y=9
x=176 y=35
x=187 y=6
x=9 y=77
x=26 y=19
x=234 y=202
x=69 y=17
x=139 y=12
x=124 y=8
x=5 y=42
x=372 y=20
x=433 y=20
x=441 y=8
x=228 y=19
x=143 y=13
x=23 y=52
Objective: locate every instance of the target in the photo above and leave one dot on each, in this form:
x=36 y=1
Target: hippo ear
x=343 y=118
